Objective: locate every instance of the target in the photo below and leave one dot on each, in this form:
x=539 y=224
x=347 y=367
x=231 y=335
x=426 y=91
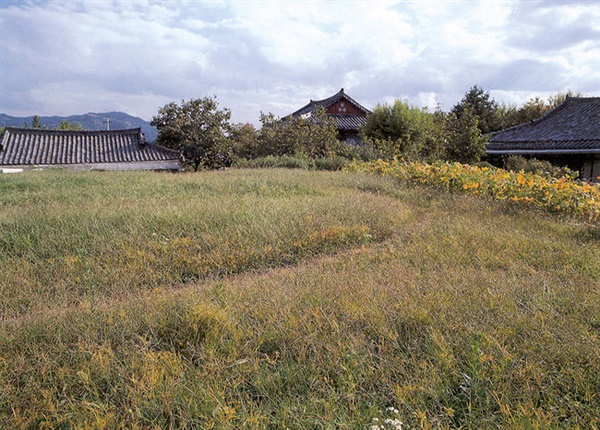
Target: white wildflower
x=396 y=424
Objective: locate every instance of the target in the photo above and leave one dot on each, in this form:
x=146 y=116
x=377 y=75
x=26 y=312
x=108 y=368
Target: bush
x=331 y=163
x=518 y=163
x=293 y=162
x=270 y=161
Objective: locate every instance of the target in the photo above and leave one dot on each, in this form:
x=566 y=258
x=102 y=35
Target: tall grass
x=71 y=239
x=453 y=311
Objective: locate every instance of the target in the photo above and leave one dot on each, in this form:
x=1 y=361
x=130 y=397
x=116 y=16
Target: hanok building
x=349 y=115
x=568 y=135
x=22 y=148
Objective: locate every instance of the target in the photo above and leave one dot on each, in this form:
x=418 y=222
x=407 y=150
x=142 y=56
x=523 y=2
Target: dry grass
x=457 y=312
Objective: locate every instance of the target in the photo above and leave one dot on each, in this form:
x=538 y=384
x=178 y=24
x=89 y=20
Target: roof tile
x=345 y=122
x=41 y=147
x=572 y=126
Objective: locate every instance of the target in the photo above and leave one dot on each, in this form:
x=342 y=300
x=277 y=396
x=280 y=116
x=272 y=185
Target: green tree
x=464 y=141
x=198 y=129
x=318 y=134
x=560 y=97
x=402 y=130
x=511 y=115
x=244 y=141
x=64 y=125
x=533 y=109
x=479 y=103
x=274 y=138
x=36 y=123
x=314 y=136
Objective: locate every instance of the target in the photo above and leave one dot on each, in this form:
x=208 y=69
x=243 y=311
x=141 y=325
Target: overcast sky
x=74 y=57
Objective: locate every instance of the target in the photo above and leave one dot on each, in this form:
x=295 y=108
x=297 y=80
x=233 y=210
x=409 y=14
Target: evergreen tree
x=479 y=103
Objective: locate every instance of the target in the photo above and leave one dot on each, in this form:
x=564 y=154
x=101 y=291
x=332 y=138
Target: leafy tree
x=64 y=125
x=272 y=139
x=196 y=128
x=401 y=130
x=479 y=103
x=319 y=134
x=314 y=137
x=511 y=115
x=533 y=109
x=244 y=141
x=560 y=97
x=464 y=141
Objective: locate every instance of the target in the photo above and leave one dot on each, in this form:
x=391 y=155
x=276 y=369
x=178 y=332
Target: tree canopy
x=245 y=141
x=480 y=104
x=464 y=141
x=314 y=137
x=36 y=124
x=198 y=129
x=534 y=108
x=64 y=125
x=401 y=130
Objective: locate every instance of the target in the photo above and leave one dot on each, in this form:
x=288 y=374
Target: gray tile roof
x=19 y=146
x=349 y=122
x=572 y=127
x=345 y=122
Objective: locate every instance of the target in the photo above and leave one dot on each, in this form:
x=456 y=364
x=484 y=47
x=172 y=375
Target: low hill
x=89 y=121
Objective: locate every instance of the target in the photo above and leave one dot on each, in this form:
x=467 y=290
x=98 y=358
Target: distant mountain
x=89 y=121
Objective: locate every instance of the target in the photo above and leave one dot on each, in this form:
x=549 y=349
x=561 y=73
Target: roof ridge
x=552 y=112
x=55 y=131
x=582 y=99
x=327 y=102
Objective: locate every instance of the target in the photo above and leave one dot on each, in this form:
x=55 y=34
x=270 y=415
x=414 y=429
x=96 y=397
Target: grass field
x=247 y=299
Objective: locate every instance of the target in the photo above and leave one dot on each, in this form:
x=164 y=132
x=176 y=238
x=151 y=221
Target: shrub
x=519 y=163
x=271 y=161
x=331 y=163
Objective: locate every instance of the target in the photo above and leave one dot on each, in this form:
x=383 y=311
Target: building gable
x=349 y=115
x=344 y=107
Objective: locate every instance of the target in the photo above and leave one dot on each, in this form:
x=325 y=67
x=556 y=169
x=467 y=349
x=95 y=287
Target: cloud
x=66 y=57
x=554 y=26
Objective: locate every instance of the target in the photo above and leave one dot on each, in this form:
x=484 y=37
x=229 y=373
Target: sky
x=135 y=56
